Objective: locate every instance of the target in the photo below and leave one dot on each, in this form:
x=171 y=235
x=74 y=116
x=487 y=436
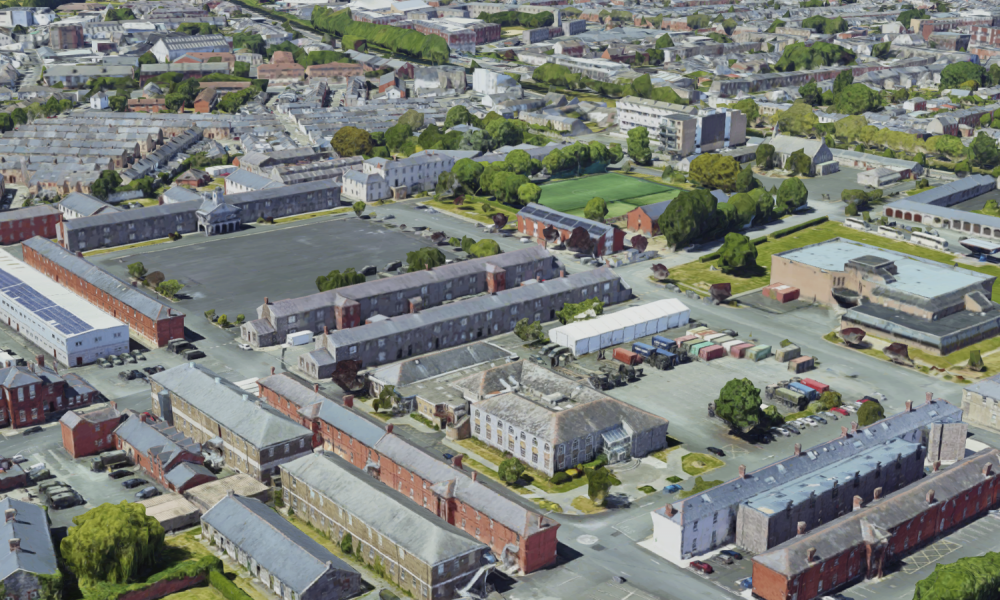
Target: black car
x=126 y=375
x=137 y=374
x=153 y=370
x=133 y=483
x=732 y=553
x=32 y=430
x=715 y=451
x=147 y=492
x=119 y=473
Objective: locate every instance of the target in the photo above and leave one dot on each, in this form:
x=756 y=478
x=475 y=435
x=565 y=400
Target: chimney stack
x=909 y=406
x=475 y=476
x=843 y=431
x=562 y=273
x=15 y=544
x=388 y=428
x=349 y=401
x=540 y=521
x=456 y=461
x=40 y=359
x=937 y=466
x=877 y=494
x=798 y=450
x=265 y=301
x=987 y=469
x=857 y=503
x=272 y=370
x=800 y=528
x=930 y=496
x=854 y=427
x=669 y=510
x=810 y=554
x=743 y=472
x=79 y=254
x=9 y=514
x=316 y=387
x=326 y=330
x=930 y=397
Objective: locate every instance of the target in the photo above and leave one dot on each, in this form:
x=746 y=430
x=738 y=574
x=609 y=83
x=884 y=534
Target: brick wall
x=89 y=438
x=16 y=231
x=163 y=588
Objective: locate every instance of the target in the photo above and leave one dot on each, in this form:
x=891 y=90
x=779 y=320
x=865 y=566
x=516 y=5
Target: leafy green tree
x=106 y=184
x=691 y=215
x=908 y=15
x=351 y=141
x=424 y=258
x=223 y=321
x=765 y=157
x=798 y=163
x=467 y=172
x=869 y=413
x=386 y=398
x=748 y=106
x=510 y=470
x=715 y=172
x=599 y=482
x=335 y=279
x=397 y=135
x=484 y=248
x=359 y=207
x=19 y=116
x=955 y=74
x=811 y=94
x=799 y=57
x=570 y=312
x=112 y=543
x=739 y=404
x=527 y=330
x=638 y=146
x=347 y=543
x=477 y=140
x=882 y=50
x=118 y=103
x=971 y=578
x=596 y=209
x=412 y=118
x=504 y=186
x=737 y=254
x=830 y=399
x=844 y=79
x=147 y=58
x=821 y=24
x=664 y=41
x=520 y=162
x=983 y=152
x=745 y=181
x=137 y=270
x=445 y=183
x=506 y=132
x=528 y=193
x=799 y=120
x=792 y=194
x=460 y=115
x=855 y=99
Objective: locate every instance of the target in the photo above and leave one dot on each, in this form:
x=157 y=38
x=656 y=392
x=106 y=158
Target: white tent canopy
x=621 y=327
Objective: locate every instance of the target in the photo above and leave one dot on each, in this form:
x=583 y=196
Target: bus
x=855 y=223
x=929 y=240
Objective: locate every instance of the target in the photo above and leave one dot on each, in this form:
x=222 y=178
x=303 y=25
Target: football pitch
x=621 y=192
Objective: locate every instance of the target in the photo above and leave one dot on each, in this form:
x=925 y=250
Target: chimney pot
x=265 y=301
x=41 y=360
x=930 y=496
x=388 y=428
x=843 y=431
x=909 y=405
x=811 y=554
x=15 y=544
x=475 y=476
x=272 y=370
x=456 y=461
x=987 y=469
x=878 y=493
x=349 y=401
x=857 y=502
x=743 y=471
x=669 y=510
x=80 y=254
x=937 y=466
x=930 y=397
x=326 y=330
x=9 y=514
x=798 y=450
x=316 y=387
x=800 y=528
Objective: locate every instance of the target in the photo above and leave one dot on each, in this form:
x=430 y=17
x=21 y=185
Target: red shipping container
x=739 y=350
x=627 y=356
x=781 y=292
x=706 y=333
x=819 y=387
x=711 y=352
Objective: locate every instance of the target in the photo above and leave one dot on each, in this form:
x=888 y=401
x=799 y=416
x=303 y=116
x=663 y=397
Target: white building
x=383 y=177
x=53 y=318
x=12 y=17
x=639 y=112
x=487 y=82
x=169 y=49
x=99 y=101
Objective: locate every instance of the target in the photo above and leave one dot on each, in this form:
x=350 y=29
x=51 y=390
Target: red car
x=704 y=567
x=842 y=411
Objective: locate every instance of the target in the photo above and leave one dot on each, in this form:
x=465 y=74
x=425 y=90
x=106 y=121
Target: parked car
x=746 y=583
x=32 y=430
x=850 y=409
x=781 y=431
x=792 y=428
x=117 y=361
x=18 y=459
x=132 y=483
x=715 y=451
x=193 y=354
x=832 y=415
x=136 y=374
x=105 y=363
x=724 y=559
x=246 y=347
x=732 y=553
x=865 y=399
x=840 y=410
x=704 y=567
x=153 y=370
x=119 y=473
x=673 y=488
x=818 y=419
x=146 y=493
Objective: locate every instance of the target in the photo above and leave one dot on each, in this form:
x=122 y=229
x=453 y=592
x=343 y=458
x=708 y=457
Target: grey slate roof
x=351 y=423
x=101 y=279
x=85 y=204
x=412 y=370
x=31 y=526
x=989 y=387
x=278 y=546
x=28 y=212
x=227 y=404
x=180 y=475
x=252 y=180
x=158 y=440
x=385 y=510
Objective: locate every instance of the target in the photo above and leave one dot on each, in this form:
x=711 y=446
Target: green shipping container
x=693 y=351
x=758 y=353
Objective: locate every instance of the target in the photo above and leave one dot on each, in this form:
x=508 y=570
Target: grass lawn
x=323 y=213
x=128 y=247
x=475 y=465
x=662 y=454
x=700 y=485
x=707 y=463
x=531 y=476
x=186 y=543
x=697 y=276
x=587 y=506
x=571 y=195
x=955 y=361
x=547 y=505
x=473 y=209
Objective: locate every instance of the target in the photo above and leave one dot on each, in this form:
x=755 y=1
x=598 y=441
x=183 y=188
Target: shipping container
x=622 y=327
x=729 y=344
x=693 y=350
x=790 y=397
x=722 y=340
x=644 y=350
x=711 y=352
x=781 y=292
x=819 y=387
x=696 y=330
x=758 y=353
x=740 y=350
x=627 y=357
x=801 y=364
x=805 y=390
x=787 y=353
x=713 y=337
x=685 y=346
x=708 y=332
x=685 y=338
x=664 y=342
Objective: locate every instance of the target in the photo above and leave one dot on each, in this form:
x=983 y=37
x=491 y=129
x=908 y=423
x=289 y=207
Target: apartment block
x=683 y=130
x=23 y=223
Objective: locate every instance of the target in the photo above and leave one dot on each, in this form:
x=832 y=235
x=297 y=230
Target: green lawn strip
x=652 y=198
x=537 y=479
x=647 y=489
x=570 y=194
x=547 y=505
x=956 y=360
x=587 y=506
x=475 y=465
x=203 y=592
x=700 y=485
x=615 y=209
x=662 y=454
x=709 y=462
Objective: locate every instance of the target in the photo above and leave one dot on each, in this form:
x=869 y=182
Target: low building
x=336 y=72
x=878 y=177
x=863 y=543
x=534 y=219
x=155 y=447
x=169 y=49
x=895 y=296
x=383 y=178
x=22 y=223
x=821 y=161
x=645 y=219
x=91 y=432
x=207 y=495
x=75 y=76
x=981 y=403
x=172 y=511
x=66 y=37
x=30 y=553
x=282 y=70
x=76 y=205
x=29 y=394
x=277 y=553
x=425 y=557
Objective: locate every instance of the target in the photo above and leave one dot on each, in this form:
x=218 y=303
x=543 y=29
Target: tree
x=955 y=74
x=739 y=404
x=510 y=470
x=112 y=543
x=223 y=321
x=983 y=152
x=737 y=254
x=799 y=120
x=476 y=140
x=169 y=288
x=799 y=56
x=106 y=184
x=527 y=330
x=529 y=193
x=118 y=103
x=385 y=399
x=844 y=79
x=870 y=412
x=664 y=41
x=506 y=132
x=19 y=116
x=445 y=183
x=137 y=270
x=748 y=106
x=467 y=172
x=505 y=185
x=765 y=156
x=971 y=578
x=424 y=258
x=484 y=248
x=638 y=146
x=639 y=242
x=688 y=217
x=791 y=195
x=798 y=163
x=908 y=15
x=811 y=94
x=855 y=99
x=715 y=171
x=397 y=135
x=413 y=119
x=596 y=209
x=745 y=181
x=830 y=399
x=347 y=543
x=460 y=115
x=821 y=24
x=599 y=482
x=351 y=141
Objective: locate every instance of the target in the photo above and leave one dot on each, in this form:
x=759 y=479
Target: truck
x=805 y=390
x=789 y=397
x=664 y=342
x=644 y=350
x=662 y=359
x=179 y=345
x=108 y=460
x=65 y=500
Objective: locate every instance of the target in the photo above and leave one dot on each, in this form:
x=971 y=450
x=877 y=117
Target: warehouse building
x=676 y=531
x=423 y=556
x=149 y=320
x=169 y=49
x=410 y=292
x=54 y=319
x=621 y=327
x=248 y=437
x=931 y=207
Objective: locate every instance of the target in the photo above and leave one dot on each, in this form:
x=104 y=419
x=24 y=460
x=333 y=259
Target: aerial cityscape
x=517 y=300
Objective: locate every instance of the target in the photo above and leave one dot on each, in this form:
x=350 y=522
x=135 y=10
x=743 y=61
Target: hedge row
x=790 y=230
x=717 y=253
x=188 y=568
x=228 y=589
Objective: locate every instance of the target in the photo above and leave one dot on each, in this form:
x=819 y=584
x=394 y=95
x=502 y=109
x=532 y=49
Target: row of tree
x=430 y=48
x=513 y=18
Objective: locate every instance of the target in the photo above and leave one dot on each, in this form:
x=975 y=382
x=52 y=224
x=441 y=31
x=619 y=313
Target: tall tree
x=739 y=404
x=765 y=156
x=715 y=172
x=596 y=209
x=467 y=172
x=424 y=258
x=791 y=195
x=737 y=254
x=745 y=181
x=983 y=152
x=112 y=543
x=351 y=141
x=638 y=146
x=688 y=217
x=811 y=94
x=510 y=470
x=870 y=412
x=844 y=79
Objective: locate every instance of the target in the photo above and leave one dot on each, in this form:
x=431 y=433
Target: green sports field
x=621 y=192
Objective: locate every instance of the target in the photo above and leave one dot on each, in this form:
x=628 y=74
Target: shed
x=781 y=292
x=787 y=353
x=740 y=350
x=621 y=327
x=173 y=511
x=801 y=364
x=205 y=496
x=711 y=352
x=758 y=353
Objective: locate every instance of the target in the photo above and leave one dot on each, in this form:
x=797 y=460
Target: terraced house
x=251 y=438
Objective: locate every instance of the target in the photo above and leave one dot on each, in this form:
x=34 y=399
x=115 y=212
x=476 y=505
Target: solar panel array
x=562 y=220
x=46 y=309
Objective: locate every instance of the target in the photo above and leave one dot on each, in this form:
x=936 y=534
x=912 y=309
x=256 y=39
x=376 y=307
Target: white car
x=849 y=408
x=525 y=240
x=781 y=431
x=811 y=422
x=246 y=347
x=18 y=459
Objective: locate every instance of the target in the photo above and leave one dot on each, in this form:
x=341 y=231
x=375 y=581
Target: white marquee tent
x=623 y=326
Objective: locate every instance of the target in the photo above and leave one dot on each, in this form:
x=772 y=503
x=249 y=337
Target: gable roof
x=30 y=525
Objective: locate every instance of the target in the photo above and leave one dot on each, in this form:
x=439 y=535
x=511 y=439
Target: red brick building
x=204 y=102
x=204 y=57
x=645 y=219
x=147 y=105
x=24 y=223
x=89 y=433
x=149 y=320
x=28 y=394
x=155 y=447
x=863 y=543
x=340 y=72
x=533 y=219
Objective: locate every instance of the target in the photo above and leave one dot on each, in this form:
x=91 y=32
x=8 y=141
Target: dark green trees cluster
x=513 y=18
x=430 y=48
x=799 y=57
x=112 y=543
x=335 y=279
x=970 y=578
x=821 y=24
